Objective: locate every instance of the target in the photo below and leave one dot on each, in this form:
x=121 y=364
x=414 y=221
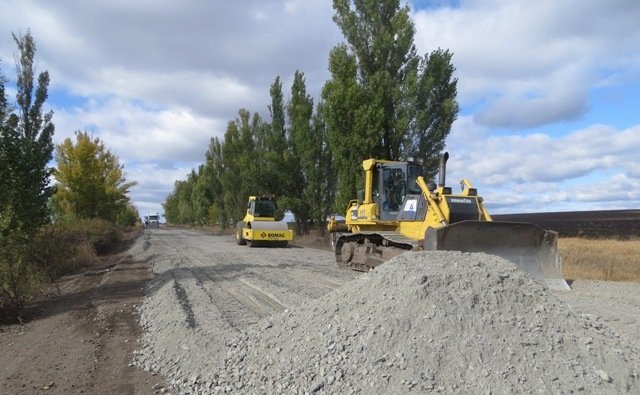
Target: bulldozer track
x=393 y=240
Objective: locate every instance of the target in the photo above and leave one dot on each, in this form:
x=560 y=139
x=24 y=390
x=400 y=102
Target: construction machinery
x=259 y=226
x=398 y=212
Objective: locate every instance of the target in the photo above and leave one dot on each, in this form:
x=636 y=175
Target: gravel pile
x=423 y=322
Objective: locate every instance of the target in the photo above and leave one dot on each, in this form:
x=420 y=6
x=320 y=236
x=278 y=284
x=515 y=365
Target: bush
x=62 y=248
x=102 y=234
x=19 y=278
x=128 y=216
x=27 y=264
x=59 y=250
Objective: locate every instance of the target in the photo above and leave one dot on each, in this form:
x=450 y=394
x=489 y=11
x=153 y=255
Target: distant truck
x=152 y=220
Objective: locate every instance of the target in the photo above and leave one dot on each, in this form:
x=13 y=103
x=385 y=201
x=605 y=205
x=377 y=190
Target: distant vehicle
x=152 y=220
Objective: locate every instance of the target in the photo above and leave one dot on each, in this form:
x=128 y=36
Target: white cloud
x=531 y=63
x=153 y=184
x=155 y=80
x=137 y=133
x=540 y=172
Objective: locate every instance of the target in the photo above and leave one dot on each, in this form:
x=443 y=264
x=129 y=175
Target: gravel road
x=208 y=289
x=223 y=318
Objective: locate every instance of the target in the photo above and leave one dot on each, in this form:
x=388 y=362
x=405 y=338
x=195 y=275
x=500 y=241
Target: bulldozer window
x=376 y=191
x=414 y=171
x=395 y=188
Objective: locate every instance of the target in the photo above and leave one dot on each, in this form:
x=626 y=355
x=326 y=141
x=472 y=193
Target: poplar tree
x=27 y=145
x=383 y=100
x=240 y=175
x=214 y=168
x=305 y=146
x=26 y=132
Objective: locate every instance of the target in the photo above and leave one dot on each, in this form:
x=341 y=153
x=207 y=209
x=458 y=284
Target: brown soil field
x=604 y=224
x=79 y=337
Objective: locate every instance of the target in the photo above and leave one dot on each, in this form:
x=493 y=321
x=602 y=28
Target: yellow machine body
x=398 y=212
x=259 y=226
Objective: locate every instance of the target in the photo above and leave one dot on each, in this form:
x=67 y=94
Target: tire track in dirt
x=250 y=296
x=183 y=300
x=242 y=285
x=208 y=291
x=270 y=285
x=238 y=302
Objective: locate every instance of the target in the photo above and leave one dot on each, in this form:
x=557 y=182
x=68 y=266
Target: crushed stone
x=424 y=322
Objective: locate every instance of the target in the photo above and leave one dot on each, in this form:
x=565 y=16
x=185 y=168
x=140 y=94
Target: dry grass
x=600 y=259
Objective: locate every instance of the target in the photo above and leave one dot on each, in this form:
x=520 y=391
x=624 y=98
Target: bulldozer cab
x=392 y=182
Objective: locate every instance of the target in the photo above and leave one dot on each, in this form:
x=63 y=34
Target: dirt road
x=81 y=339
x=205 y=292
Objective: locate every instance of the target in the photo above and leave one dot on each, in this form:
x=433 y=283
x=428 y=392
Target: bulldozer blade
x=532 y=248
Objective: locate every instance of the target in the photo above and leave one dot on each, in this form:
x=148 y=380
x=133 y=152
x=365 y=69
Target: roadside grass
x=600 y=259
x=58 y=249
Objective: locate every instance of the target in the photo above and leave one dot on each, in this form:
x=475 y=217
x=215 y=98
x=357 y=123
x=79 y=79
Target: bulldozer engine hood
x=462 y=208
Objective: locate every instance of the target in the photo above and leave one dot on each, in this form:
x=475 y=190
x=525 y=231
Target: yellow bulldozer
x=398 y=212
x=259 y=226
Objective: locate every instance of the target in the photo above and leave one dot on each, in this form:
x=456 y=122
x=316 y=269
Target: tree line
x=383 y=101
x=40 y=205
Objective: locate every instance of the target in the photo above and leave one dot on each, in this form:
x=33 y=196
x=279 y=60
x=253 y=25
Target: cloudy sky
x=549 y=91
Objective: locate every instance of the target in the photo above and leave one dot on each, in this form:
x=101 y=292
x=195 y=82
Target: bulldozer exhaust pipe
x=443 y=169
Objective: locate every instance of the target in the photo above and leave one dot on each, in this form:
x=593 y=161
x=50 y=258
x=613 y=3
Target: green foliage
x=177 y=209
x=321 y=177
x=91 y=182
x=91 y=185
x=437 y=109
x=26 y=137
x=383 y=100
x=214 y=215
x=128 y=216
x=214 y=168
x=217 y=192
x=19 y=277
x=286 y=158
x=308 y=143
x=240 y=175
x=25 y=150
